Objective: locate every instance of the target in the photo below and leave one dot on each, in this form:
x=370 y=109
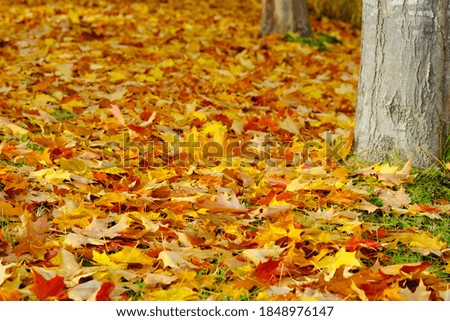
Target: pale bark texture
x=282 y=16
x=403 y=96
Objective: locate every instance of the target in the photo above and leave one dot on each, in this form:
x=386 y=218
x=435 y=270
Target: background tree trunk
x=403 y=96
x=282 y=16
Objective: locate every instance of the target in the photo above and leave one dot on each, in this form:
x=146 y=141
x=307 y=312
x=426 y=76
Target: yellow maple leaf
x=103 y=259
x=341 y=258
x=174 y=294
x=117 y=75
x=131 y=255
x=52 y=176
x=114 y=170
x=145 y=78
x=386 y=169
x=420 y=242
x=109 y=198
x=157 y=73
x=215 y=129
x=72 y=103
x=76 y=165
x=296 y=184
x=168 y=63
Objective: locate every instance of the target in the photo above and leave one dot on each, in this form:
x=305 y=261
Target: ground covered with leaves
x=161 y=150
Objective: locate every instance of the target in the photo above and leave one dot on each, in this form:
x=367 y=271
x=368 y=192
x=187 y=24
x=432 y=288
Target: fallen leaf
x=43 y=288
x=3 y=275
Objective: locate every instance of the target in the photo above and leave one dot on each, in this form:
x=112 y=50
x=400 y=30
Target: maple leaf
x=267 y=271
x=258 y=256
x=104 y=292
x=153 y=279
x=131 y=255
x=174 y=294
x=419 y=241
x=105 y=260
x=289 y=125
x=85 y=291
x=419 y=294
x=33 y=235
x=395 y=199
x=341 y=258
x=445 y=295
x=97 y=232
x=226 y=203
x=410 y=268
x=43 y=288
x=51 y=176
x=175 y=259
x=3 y=275
x=117 y=113
x=354 y=243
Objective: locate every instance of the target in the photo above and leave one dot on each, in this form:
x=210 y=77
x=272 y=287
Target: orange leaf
x=265 y=200
x=267 y=271
x=44 y=289
x=416 y=268
x=427 y=208
x=354 y=243
x=104 y=292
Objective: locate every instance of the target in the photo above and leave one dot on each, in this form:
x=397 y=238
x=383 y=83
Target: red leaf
x=354 y=243
x=267 y=271
x=416 y=268
x=137 y=129
x=104 y=292
x=252 y=124
x=224 y=119
x=427 y=208
x=285 y=196
x=265 y=200
x=44 y=289
x=379 y=233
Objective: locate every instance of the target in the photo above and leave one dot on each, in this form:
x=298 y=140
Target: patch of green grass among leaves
x=319 y=40
x=430 y=185
x=401 y=254
x=399 y=222
x=61 y=115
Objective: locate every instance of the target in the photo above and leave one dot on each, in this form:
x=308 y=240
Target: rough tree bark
x=282 y=16
x=403 y=96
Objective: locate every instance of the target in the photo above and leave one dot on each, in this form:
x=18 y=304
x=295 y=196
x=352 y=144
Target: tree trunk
x=403 y=96
x=282 y=16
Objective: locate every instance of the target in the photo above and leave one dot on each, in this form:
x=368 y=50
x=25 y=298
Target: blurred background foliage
x=344 y=10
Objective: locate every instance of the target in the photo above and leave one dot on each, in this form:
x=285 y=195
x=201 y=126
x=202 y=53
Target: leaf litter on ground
x=162 y=151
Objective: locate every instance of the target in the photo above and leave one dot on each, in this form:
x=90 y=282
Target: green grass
x=401 y=254
x=430 y=185
x=5 y=226
x=399 y=222
x=318 y=41
x=136 y=295
x=36 y=146
x=62 y=115
x=7 y=163
x=446 y=154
